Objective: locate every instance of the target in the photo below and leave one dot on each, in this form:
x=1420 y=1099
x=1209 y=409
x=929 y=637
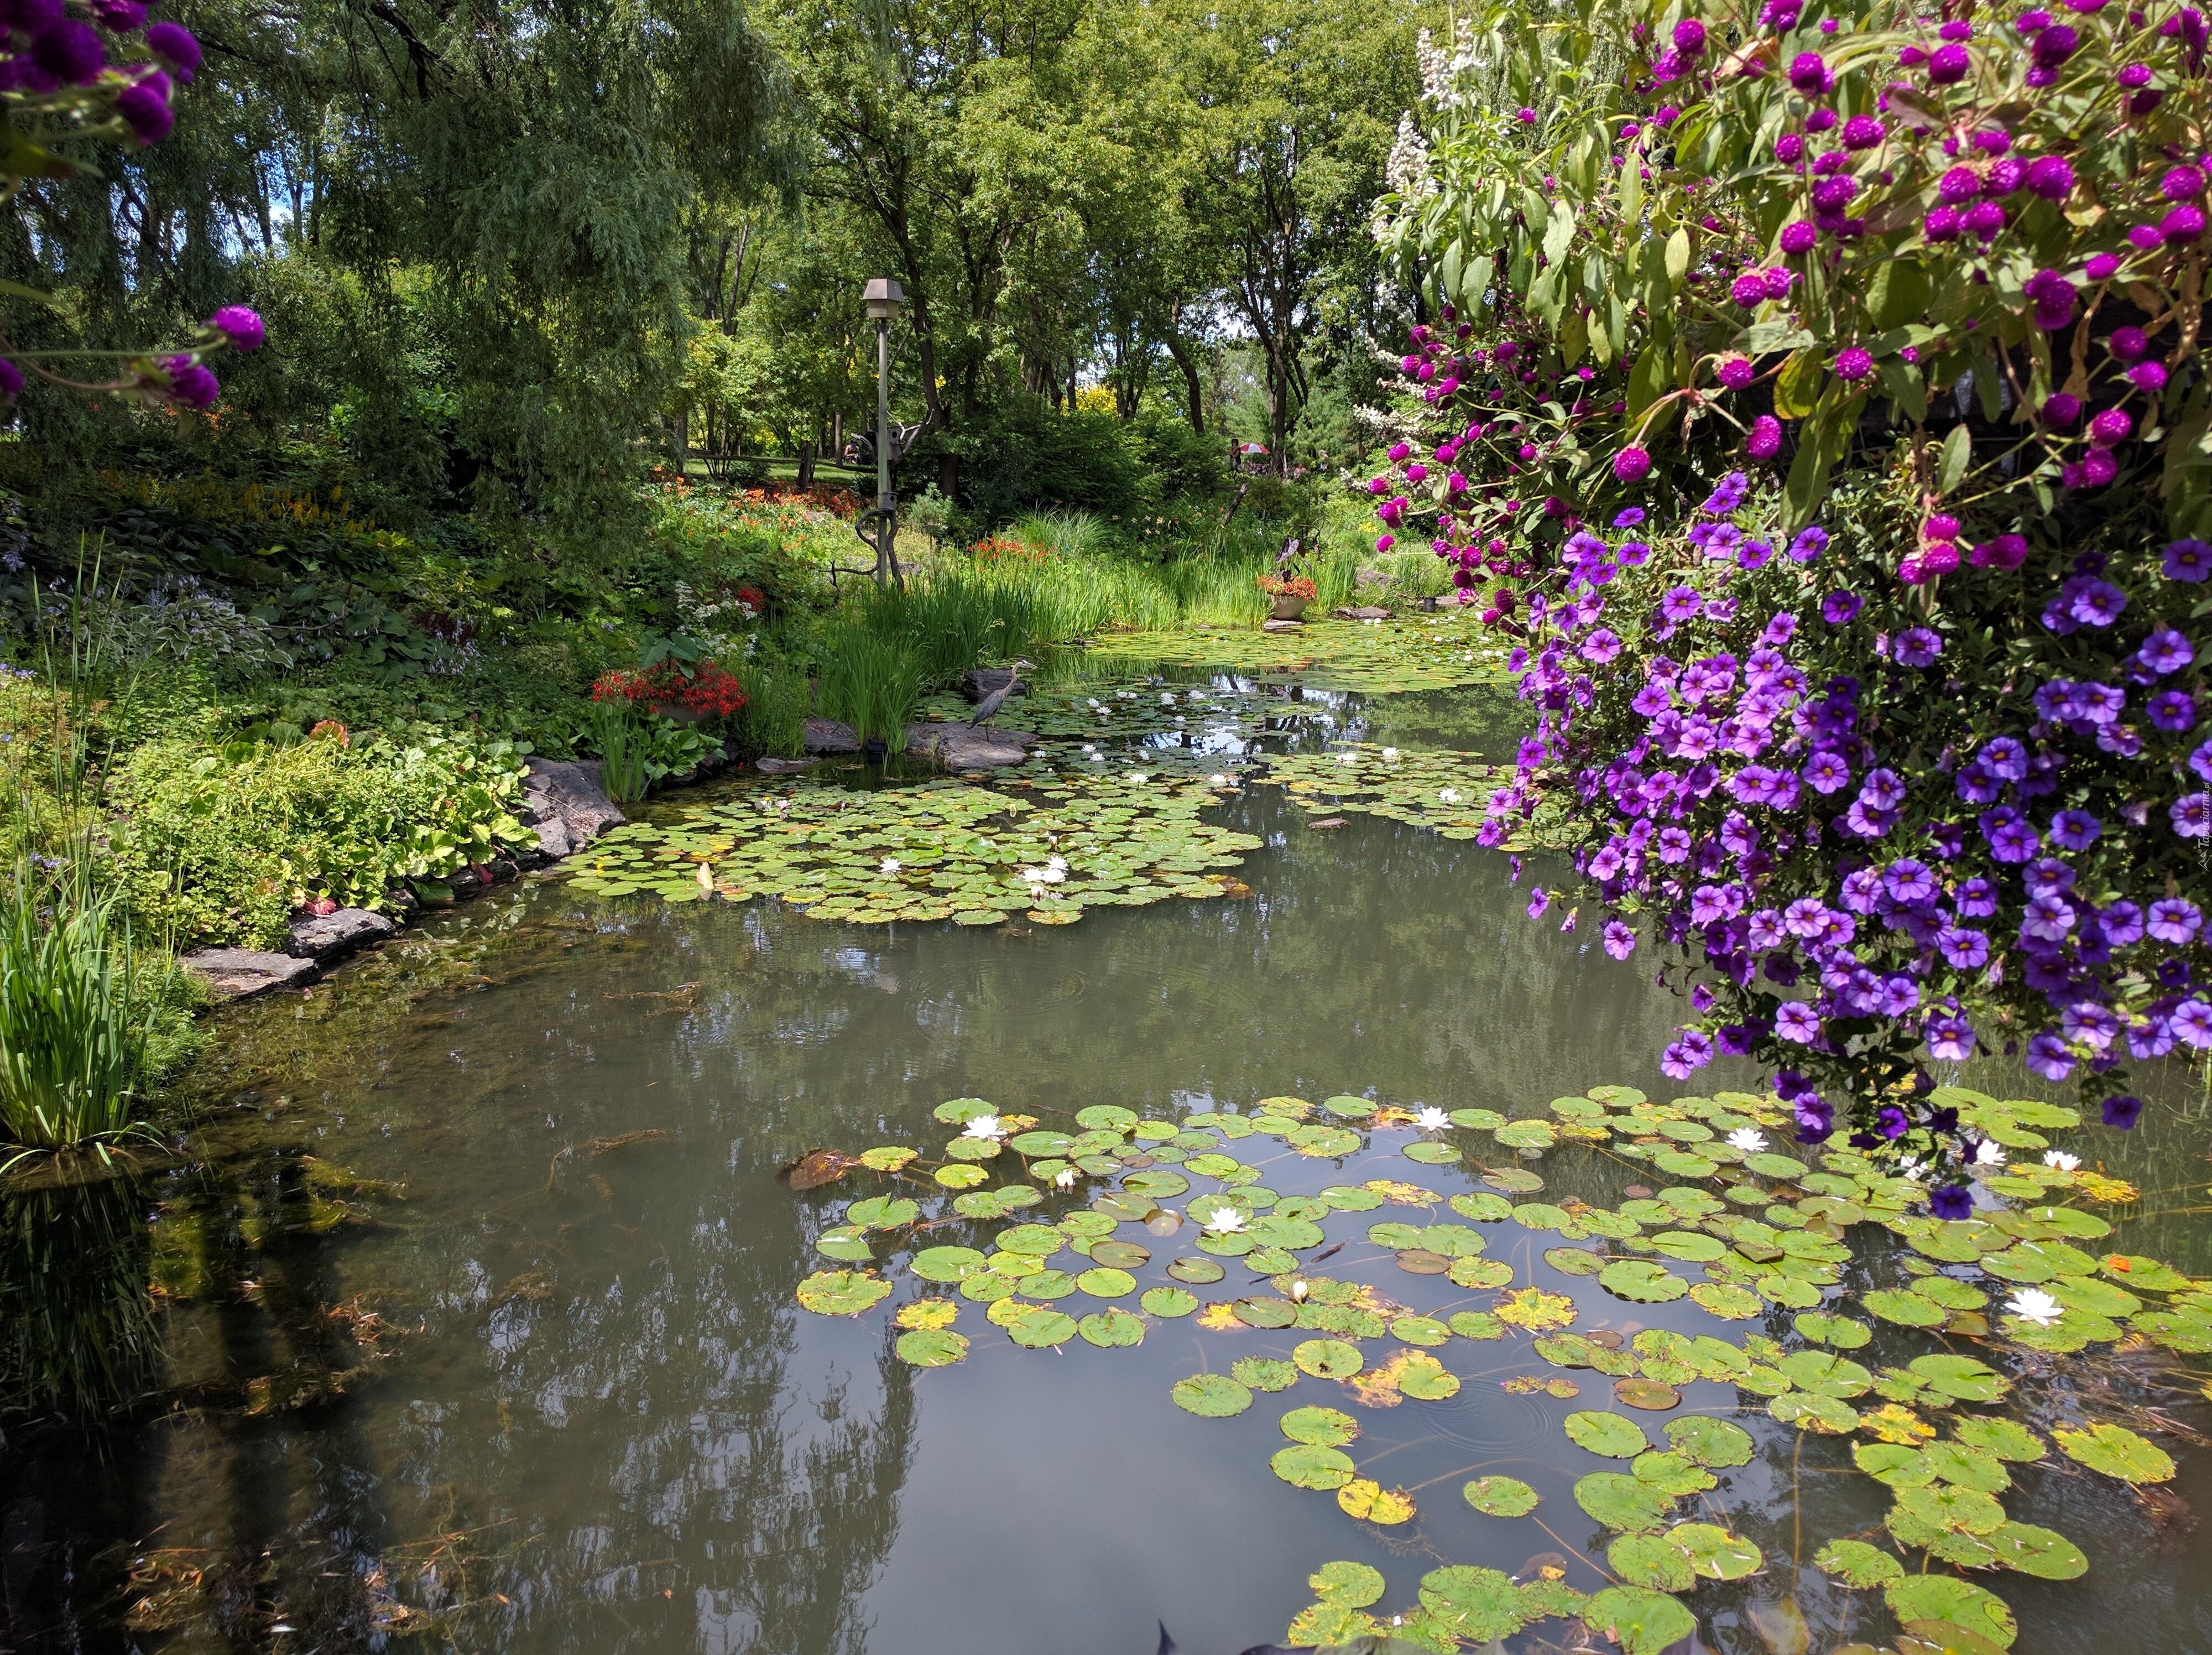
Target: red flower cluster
x=1289 y=586
x=710 y=692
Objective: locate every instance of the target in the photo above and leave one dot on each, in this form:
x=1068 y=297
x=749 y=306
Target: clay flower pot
x=1289 y=608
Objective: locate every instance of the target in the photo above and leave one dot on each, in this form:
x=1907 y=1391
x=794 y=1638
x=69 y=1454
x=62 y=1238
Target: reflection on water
x=480 y=1321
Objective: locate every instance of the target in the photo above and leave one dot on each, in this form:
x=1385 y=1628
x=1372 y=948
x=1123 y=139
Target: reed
x=622 y=751
x=872 y=683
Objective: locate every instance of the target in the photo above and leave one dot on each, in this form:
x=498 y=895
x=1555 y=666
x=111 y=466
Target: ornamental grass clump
x=1818 y=404
x=73 y=1033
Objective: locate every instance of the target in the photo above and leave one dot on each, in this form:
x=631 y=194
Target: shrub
x=213 y=848
x=708 y=690
x=1921 y=778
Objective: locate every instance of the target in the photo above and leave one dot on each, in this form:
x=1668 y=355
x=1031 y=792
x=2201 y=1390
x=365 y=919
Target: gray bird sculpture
x=997 y=698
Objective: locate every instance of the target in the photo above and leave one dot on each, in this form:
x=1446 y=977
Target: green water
x=600 y=1422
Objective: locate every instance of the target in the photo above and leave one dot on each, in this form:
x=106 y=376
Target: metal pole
x=886 y=502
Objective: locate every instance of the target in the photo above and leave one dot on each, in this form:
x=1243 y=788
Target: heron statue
x=997 y=698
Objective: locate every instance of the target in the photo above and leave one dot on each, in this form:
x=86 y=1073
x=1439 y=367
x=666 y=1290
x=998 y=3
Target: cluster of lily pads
x=1124 y=710
x=1426 y=652
x=1047 y=847
x=1438 y=788
x=1768 y=1235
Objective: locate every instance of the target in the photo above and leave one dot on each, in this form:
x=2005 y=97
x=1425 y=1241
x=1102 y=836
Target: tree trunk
x=1187 y=360
x=805 y=467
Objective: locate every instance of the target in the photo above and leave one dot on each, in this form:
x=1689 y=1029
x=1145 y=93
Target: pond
x=482 y=1322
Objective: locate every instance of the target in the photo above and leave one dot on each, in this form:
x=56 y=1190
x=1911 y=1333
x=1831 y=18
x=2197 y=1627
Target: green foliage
x=618 y=731
x=73 y=1028
x=772 y=724
x=220 y=847
x=872 y=683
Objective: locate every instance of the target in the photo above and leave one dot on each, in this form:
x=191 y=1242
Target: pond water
x=554 y=1391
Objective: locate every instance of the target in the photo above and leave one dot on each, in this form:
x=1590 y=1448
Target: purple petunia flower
x=1680 y=604
x=2048 y=1056
x=1951 y=1203
x=1539 y=900
x=2191 y=815
x=2122 y=1112
x=2175 y=920
x=2191 y=1023
x=1917 y=646
x=1810 y=543
x=2173 y=711
x=2096 y=603
x=1963 y=948
x=2075 y=829
x=2187 y=560
x=1619 y=940
x=1839 y=608
x=1797 y=1022
x=2165 y=651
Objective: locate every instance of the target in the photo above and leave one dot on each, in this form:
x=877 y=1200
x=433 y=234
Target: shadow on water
x=476 y=1317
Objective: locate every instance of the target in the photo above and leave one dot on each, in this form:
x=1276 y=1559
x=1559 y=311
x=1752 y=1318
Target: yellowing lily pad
x=1501 y=1497
x=2115 y=1451
x=1370 y=1502
x=842 y=1293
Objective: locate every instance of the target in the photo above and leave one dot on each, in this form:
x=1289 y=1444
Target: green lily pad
x=1425 y=1379
x=1573 y=1260
x=1650 y=1559
x=1839 y=1332
x=1168 y=1302
x=932 y=1347
x=882 y=1212
x=2040 y=1552
x=2115 y=1451
x=842 y=1293
x=1156 y=1185
x=1614 y=1435
x=1671 y=1474
x=1826 y=1373
x=1823 y=1413
x=1967 y=1467
x=1474 y=1604
x=1642 y=1281
x=1955 y=1603
x=1485 y=1208
x=1909 y=1310
x=845 y=1244
x=1711 y=1441
x=1642 y=1621
x=1858 y=1565
x=1653 y=1396
x=1110 y=1328
x=1500 y=1497
x=1422 y=1330
x=1119 y=1254
x=1039 y=1329
x=1263 y=1373
x=1308 y=1465
x=1103 y=1283
x=1354 y=1586
x=886 y=1159
x=1323 y=1427
x=1726 y=1300
x=1266 y=1313
x=1328 y=1359
x=1942 y=1507
x=1621 y=1502
x=1429 y=1153
x=2006 y=1439
x=1691 y=1246
x=1349 y=1198
x=1211 y=1396
x=1960 y=1377
x=1199 y=1272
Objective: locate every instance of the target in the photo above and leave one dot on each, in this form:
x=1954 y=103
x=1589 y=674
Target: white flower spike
x=1748 y=1139
x=2033 y=1305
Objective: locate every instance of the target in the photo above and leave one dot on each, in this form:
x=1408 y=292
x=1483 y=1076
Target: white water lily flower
x=2033 y=1305
x=1036 y=893
x=1390 y=755
x=1094 y=701
x=1064 y=1179
x=1990 y=1153
x=1748 y=1139
x=984 y=1126
x=1056 y=862
x=2061 y=1160
x=889 y=865
x=1138 y=777
x=1430 y=1118
x=1223 y=1221
x=1166 y=700
x=1216 y=780
x=1448 y=796
x=1348 y=758
x=1098 y=758
x=1299 y=1292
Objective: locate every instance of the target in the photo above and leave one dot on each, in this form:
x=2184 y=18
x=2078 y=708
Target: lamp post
x=885 y=302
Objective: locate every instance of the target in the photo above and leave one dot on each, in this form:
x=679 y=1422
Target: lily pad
x=1955 y=1603
x=1354 y=1586
x=2041 y=1553
x=1960 y=1377
x=1309 y=1465
x=1370 y=1502
x=1111 y=1328
x=1642 y=1621
x=2006 y=1439
x=1477 y=1606
x=1039 y=1329
x=1199 y=1272
x=1168 y=1302
x=1119 y=1254
x=1102 y=1283
x=1649 y=1395
x=2115 y=1451
x=1622 y=1502
x=1909 y=1310
x=842 y=1293
x=1533 y=1308
x=1858 y=1565
x=1211 y=1396
x=1501 y=1497
x=1328 y=1359
x=1323 y=1427
x=1423 y=1378
x=1642 y=1281
x=1726 y=1300
x=1614 y=1435
x=1263 y=1374
x=932 y=1347
x=1823 y=1413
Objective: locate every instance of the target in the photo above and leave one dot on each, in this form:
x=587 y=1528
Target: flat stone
x=784 y=766
x=242 y=973
x=331 y=936
x=568 y=805
x=966 y=746
x=979 y=681
x=1282 y=626
x=827 y=735
x=1364 y=612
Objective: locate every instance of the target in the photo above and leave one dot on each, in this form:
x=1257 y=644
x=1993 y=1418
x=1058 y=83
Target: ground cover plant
x=1816 y=1318
x=1816 y=402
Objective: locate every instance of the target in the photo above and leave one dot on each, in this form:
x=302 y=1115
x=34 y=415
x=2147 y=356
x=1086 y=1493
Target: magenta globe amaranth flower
x=2061 y=408
x=1798 y=238
x=2051 y=177
x=146 y=111
x=70 y=52
x=191 y=385
x=2111 y=427
x=11 y=381
x=1948 y=64
x=1736 y=371
x=1764 y=440
x=2185 y=223
x=1863 y=132
x=1809 y=73
x=240 y=325
x=1853 y=364
x=176 y=46
x=1632 y=464
x=2183 y=183
x=1690 y=37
